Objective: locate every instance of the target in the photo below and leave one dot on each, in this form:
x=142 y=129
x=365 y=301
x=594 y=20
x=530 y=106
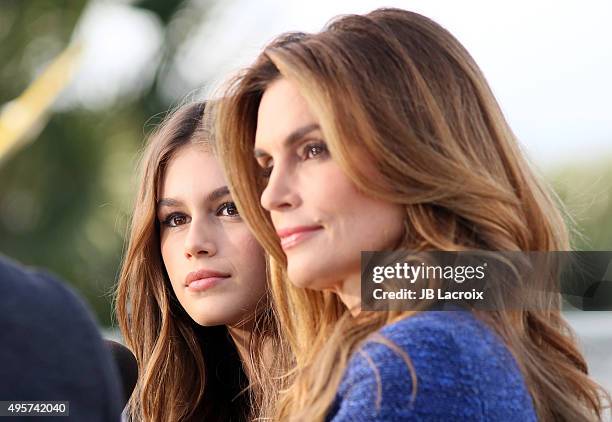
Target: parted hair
x=397 y=88
x=186 y=371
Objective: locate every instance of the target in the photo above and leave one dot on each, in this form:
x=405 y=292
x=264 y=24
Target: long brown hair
x=401 y=89
x=186 y=371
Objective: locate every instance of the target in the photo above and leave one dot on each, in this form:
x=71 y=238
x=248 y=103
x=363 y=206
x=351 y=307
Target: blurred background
x=82 y=82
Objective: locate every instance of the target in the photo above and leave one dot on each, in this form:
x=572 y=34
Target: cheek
x=247 y=254
x=258 y=264
x=326 y=188
x=335 y=195
x=363 y=221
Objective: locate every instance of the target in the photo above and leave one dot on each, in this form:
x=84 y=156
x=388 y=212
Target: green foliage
x=586 y=191
x=31 y=34
x=65 y=199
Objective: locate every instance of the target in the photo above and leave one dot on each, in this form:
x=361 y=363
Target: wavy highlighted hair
x=401 y=90
x=186 y=371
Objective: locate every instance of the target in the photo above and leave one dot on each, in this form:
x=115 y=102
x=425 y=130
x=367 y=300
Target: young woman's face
x=215 y=265
x=322 y=220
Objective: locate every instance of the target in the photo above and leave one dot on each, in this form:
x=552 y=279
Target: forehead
x=282 y=110
x=191 y=167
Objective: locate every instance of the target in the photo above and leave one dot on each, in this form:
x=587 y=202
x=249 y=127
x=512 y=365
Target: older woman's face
x=322 y=220
x=215 y=265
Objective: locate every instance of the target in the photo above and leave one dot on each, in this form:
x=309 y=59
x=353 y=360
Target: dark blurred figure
x=127 y=366
x=51 y=349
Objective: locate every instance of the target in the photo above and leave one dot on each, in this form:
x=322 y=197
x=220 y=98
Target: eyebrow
x=293 y=137
x=211 y=197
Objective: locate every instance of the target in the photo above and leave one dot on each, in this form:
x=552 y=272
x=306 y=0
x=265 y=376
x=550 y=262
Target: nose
x=199 y=241
x=280 y=193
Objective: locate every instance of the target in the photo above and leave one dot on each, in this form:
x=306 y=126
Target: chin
x=306 y=279
x=299 y=279
x=299 y=283
x=209 y=322
x=210 y=319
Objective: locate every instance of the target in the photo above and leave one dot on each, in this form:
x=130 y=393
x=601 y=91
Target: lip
x=204 y=279
x=292 y=236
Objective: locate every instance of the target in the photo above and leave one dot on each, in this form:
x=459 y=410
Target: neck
x=349 y=292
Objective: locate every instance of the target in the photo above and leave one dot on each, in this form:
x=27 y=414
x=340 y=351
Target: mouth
x=204 y=279
x=293 y=236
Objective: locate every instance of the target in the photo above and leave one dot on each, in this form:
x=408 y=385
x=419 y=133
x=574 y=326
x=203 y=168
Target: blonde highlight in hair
x=394 y=89
x=178 y=360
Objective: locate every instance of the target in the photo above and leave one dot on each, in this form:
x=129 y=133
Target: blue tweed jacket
x=464 y=373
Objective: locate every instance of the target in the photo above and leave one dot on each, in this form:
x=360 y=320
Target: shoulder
x=54 y=350
x=32 y=299
x=24 y=288
x=433 y=365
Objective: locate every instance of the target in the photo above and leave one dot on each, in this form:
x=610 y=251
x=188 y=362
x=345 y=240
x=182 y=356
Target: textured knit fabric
x=51 y=349
x=464 y=373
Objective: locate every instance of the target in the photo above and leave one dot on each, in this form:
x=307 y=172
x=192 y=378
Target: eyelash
x=224 y=206
x=304 y=155
x=306 y=149
x=170 y=220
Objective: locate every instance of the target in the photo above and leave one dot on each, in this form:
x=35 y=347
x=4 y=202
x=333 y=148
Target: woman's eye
x=228 y=209
x=314 y=150
x=175 y=220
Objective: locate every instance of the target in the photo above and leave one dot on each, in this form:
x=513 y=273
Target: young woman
x=192 y=299
x=381 y=133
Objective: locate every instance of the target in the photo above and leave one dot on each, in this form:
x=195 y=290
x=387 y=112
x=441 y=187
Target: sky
x=548 y=62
